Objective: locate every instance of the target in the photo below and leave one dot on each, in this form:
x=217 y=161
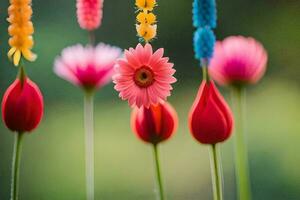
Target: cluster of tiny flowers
x=20 y=30
x=204 y=19
x=146 y=21
x=89 y=14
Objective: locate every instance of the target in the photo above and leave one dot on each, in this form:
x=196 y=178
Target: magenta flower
x=89 y=13
x=238 y=60
x=88 y=67
x=143 y=77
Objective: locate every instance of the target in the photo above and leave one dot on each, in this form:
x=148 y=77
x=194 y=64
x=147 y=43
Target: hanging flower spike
x=204 y=13
x=204 y=41
x=89 y=14
x=210 y=118
x=238 y=60
x=143 y=77
x=154 y=124
x=146 y=5
x=146 y=27
x=20 y=30
x=88 y=67
x=22 y=106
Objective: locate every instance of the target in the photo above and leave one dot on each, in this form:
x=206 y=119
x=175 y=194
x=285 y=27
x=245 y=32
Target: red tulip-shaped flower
x=210 y=118
x=154 y=124
x=22 y=106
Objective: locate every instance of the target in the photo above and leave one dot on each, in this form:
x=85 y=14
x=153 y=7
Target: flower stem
x=241 y=154
x=92 y=37
x=204 y=66
x=158 y=173
x=216 y=172
x=16 y=166
x=89 y=144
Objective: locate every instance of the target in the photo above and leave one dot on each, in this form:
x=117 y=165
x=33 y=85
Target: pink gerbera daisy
x=88 y=67
x=144 y=78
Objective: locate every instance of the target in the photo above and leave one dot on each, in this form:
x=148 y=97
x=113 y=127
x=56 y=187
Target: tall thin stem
x=92 y=37
x=158 y=173
x=216 y=172
x=16 y=166
x=241 y=154
x=89 y=144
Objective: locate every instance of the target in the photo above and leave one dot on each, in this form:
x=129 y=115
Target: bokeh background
x=53 y=156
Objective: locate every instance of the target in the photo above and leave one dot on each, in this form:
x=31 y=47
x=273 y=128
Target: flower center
x=144 y=76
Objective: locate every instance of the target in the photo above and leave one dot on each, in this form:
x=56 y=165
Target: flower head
x=89 y=14
x=22 y=106
x=210 y=118
x=20 y=30
x=238 y=60
x=204 y=13
x=154 y=124
x=146 y=31
x=204 y=42
x=88 y=67
x=147 y=5
x=143 y=77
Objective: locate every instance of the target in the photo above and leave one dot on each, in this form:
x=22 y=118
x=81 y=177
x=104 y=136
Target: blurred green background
x=53 y=156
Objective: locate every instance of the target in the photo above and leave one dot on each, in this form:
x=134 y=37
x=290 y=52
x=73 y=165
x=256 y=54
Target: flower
x=210 y=119
x=20 y=30
x=238 y=60
x=143 y=77
x=89 y=14
x=88 y=67
x=22 y=106
x=204 y=42
x=147 y=5
x=154 y=124
x=146 y=27
x=204 y=13
x=146 y=31
x=146 y=18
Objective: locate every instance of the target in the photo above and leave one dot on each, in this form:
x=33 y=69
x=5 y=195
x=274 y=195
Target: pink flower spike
x=89 y=13
x=88 y=67
x=144 y=78
x=238 y=60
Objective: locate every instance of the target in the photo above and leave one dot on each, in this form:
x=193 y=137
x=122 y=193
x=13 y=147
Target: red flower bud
x=22 y=106
x=210 y=119
x=154 y=124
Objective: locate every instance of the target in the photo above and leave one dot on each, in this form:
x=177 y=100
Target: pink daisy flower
x=88 y=67
x=144 y=78
x=238 y=60
x=89 y=13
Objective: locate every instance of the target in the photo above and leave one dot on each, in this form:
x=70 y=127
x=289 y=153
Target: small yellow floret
x=146 y=18
x=146 y=31
x=20 y=30
x=145 y=4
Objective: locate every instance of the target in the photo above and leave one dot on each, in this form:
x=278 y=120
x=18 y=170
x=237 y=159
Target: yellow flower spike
x=146 y=18
x=146 y=31
x=20 y=30
x=145 y=4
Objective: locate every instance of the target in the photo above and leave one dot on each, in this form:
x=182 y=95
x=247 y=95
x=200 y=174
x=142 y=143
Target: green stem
x=241 y=154
x=16 y=166
x=89 y=144
x=216 y=172
x=158 y=173
x=204 y=66
x=92 y=38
